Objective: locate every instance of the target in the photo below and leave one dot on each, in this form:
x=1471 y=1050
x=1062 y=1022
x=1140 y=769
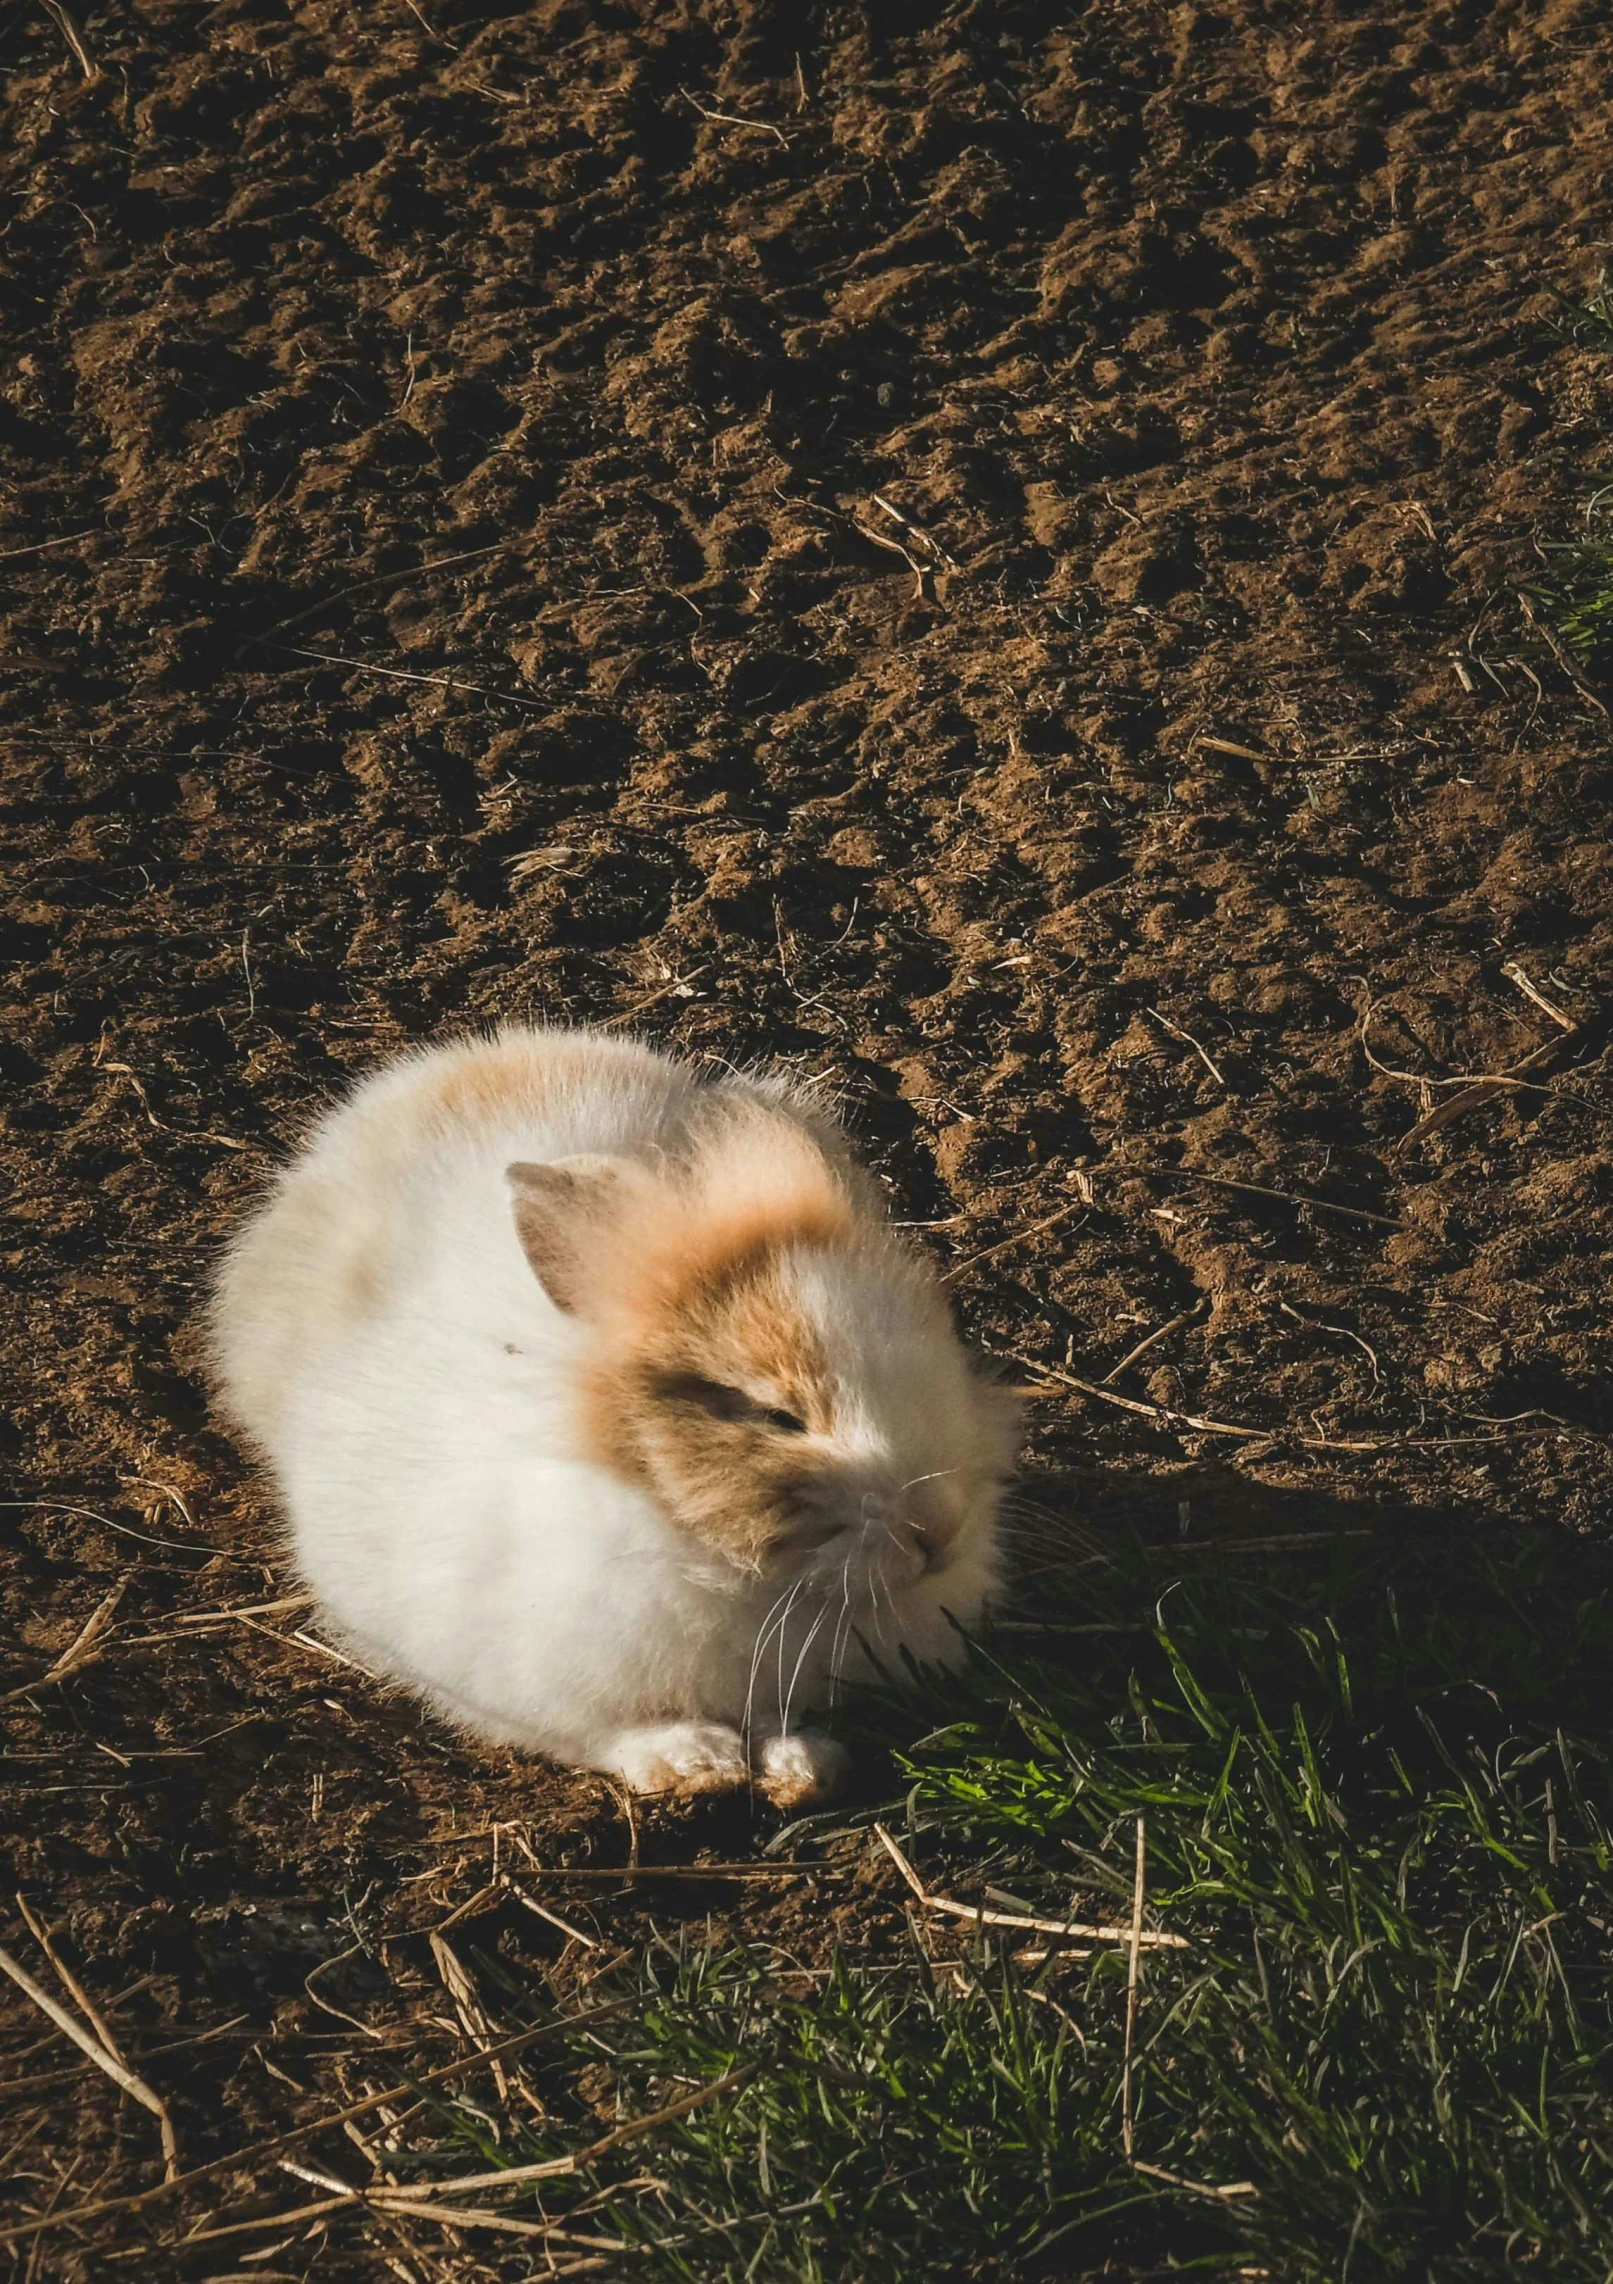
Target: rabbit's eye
x=725 y=1403
x=712 y=1396
x=807 y=1535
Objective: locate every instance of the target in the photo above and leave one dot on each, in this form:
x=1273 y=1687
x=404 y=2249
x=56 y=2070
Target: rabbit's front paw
x=796 y=1771
x=682 y=1757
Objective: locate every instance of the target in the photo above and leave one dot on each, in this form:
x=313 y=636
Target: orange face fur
x=722 y=1403
x=771 y=1365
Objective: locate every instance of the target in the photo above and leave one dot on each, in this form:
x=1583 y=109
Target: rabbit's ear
x=563 y=1209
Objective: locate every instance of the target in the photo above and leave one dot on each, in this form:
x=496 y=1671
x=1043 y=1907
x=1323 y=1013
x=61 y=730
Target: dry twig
x=1133 y=1974
x=1188 y=1040
x=622 y=1874
x=483 y=1899
x=1194 y=1420
x=397 y=674
x=468 y=2006
x=413 y=2200
x=278 y=1609
x=386 y=578
x=74 y=38
x=1564 y=657
x=141 y=2198
x=554 y=1918
x=989 y=1252
x=47 y=2079
x=679 y=983
x=1476 y=1086
x=553 y=2168
x=1153 y=1340
x=920 y=571
x=730 y=119
x=1484 y=1090
x=1261 y=1190
x=1228 y=745
x=978 y=1914
x=915 y=531
x=430 y=30
x=118 y=2071
x=1275 y=1542
x=83 y=1650
x=1203 y=1426
x=1198 y=2188
x=70 y=1982
x=43 y=546
x=1514 y=972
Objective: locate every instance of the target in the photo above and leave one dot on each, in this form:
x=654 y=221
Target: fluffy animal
x=608 y=1412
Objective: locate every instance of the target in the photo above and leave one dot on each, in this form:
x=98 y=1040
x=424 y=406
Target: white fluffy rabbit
x=608 y=1411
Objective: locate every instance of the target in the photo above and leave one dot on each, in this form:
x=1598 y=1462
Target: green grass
x=1579 y=593
x=1589 y=323
x=1376 y=1801
x=1579 y=590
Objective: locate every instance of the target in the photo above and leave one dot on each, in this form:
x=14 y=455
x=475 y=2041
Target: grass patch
x=1377 y=1804
x=1588 y=323
x=1579 y=594
x=1579 y=591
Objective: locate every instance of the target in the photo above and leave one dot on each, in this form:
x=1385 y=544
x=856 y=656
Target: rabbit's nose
x=917 y=1539
x=932 y=1527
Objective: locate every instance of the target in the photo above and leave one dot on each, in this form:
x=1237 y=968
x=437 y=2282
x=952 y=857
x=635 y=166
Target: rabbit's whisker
x=841 y=1641
x=934 y=1476
x=789 y=1696
x=776 y=1615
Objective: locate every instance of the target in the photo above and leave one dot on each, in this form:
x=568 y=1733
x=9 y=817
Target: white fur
x=382 y=1339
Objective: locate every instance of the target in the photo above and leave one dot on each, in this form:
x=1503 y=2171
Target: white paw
x=795 y=1771
x=681 y=1757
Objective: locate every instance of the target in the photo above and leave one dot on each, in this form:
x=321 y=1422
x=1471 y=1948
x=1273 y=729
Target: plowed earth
x=456 y=483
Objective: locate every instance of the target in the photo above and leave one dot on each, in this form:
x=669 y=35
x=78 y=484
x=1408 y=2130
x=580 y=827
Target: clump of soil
x=979 y=558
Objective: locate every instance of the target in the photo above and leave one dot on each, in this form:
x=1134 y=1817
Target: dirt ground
x=979 y=557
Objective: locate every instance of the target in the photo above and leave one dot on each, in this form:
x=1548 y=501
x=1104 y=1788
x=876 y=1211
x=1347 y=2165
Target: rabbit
x=609 y=1413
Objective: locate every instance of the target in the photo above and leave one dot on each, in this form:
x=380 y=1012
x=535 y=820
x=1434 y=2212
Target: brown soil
x=454 y=491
